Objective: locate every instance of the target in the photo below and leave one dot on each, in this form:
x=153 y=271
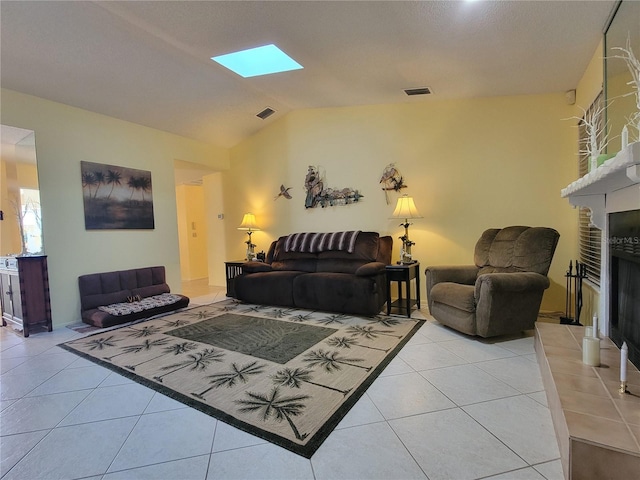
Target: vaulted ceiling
x=149 y=62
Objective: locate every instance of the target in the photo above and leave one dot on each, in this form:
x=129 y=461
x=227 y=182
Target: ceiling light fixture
x=258 y=61
x=418 y=91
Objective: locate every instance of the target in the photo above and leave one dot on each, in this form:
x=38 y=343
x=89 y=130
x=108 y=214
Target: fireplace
x=624 y=294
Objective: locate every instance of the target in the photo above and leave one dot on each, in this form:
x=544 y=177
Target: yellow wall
x=469 y=164
x=65 y=136
x=192 y=232
x=217 y=223
x=590 y=85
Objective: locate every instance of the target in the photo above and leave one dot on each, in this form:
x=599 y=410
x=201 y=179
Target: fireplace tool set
x=574 y=288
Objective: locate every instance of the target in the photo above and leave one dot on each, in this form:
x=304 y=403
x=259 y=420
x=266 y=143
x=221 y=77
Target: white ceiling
x=149 y=62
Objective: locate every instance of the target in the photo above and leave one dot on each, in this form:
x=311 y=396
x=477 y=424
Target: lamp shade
x=406 y=208
x=249 y=223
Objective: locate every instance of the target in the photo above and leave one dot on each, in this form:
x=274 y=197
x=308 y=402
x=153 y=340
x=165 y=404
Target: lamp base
x=405 y=253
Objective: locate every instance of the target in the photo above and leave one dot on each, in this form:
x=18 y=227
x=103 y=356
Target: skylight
x=258 y=61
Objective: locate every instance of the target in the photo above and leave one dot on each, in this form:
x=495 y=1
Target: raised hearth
x=598 y=429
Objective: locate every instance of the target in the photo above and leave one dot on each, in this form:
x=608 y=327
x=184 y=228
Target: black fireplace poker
x=574 y=284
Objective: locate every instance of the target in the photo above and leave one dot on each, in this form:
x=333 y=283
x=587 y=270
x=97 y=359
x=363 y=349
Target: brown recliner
x=502 y=292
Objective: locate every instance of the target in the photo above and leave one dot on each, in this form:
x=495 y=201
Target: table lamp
x=249 y=225
x=406 y=209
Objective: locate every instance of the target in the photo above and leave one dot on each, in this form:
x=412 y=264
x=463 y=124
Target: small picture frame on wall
x=116 y=197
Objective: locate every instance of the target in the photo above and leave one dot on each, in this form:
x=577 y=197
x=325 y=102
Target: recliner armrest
x=370 y=269
x=511 y=282
x=465 y=274
x=508 y=302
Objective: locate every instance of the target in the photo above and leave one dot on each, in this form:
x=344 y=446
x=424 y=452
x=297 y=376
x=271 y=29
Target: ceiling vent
x=267 y=112
x=418 y=91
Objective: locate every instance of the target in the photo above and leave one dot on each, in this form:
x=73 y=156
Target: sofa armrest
x=370 y=269
x=255 y=267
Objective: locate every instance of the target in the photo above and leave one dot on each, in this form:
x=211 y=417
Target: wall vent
x=267 y=112
x=418 y=91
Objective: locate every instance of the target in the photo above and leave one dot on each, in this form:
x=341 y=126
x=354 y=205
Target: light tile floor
x=447 y=407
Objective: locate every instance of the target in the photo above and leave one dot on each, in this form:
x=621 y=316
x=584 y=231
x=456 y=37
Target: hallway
x=200 y=292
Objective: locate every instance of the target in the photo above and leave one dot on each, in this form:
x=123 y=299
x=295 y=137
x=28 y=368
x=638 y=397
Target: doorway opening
x=200 y=234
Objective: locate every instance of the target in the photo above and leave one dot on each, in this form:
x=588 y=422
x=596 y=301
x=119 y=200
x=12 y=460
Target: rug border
x=305 y=451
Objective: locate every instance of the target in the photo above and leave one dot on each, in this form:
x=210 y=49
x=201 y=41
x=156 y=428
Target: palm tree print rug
x=287 y=376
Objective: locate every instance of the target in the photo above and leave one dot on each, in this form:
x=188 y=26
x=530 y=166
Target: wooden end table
x=232 y=270
x=403 y=274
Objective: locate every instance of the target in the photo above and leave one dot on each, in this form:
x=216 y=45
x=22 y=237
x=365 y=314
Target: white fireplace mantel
x=616 y=174
x=612 y=187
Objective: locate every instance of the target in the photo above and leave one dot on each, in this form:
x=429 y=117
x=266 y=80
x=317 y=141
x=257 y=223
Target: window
x=589 y=237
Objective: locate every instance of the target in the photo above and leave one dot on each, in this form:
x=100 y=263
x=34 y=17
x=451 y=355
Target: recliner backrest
x=516 y=249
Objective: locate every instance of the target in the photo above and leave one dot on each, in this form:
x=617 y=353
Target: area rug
x=287 y=376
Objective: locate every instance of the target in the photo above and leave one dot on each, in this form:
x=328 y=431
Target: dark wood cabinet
x=25 y=301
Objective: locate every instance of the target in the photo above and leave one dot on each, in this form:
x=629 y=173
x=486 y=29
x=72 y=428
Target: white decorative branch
x=597 y=131
x=633 y=64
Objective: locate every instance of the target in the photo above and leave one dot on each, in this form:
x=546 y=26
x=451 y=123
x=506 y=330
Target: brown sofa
x=113 y=298
x=332 y=280
x=501 y=293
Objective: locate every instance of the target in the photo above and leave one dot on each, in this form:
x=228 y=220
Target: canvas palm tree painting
x=116 y=197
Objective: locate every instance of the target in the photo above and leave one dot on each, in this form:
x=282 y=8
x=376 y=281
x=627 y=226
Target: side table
x=403 y=274
x=232 y=270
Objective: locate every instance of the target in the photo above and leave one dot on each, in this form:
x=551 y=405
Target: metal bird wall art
x=284 y=192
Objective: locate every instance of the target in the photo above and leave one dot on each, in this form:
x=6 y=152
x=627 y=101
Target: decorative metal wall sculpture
x=391 y=180
x=317 y=195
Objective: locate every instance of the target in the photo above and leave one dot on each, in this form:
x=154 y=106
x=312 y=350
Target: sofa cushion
x=147 y=303
x=144 y=277
x=337 y=292
x=90 y=285
x=110 y=282
x=267 y=288
x=335 y=265
x=151 y=290
x=455 y=295
x=303 y=262
x=94 y=301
